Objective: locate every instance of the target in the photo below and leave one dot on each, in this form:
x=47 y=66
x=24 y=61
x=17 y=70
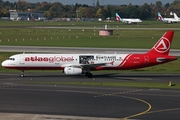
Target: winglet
x=162 y=47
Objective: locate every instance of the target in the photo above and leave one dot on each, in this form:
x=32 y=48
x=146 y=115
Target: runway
x=19 y=95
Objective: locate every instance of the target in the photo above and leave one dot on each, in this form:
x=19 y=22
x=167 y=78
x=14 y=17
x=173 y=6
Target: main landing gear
x=89 y=75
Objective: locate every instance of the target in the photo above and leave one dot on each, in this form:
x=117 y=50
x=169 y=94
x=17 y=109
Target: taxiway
x=88 y=102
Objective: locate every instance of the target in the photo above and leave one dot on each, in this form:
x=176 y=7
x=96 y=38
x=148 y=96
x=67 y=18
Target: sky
x=102 y=2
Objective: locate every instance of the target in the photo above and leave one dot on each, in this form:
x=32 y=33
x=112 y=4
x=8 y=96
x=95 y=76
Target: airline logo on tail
x=118 y=17
x=160 y=17
x=163 y=45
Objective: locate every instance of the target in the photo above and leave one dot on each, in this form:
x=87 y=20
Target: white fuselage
x=59 y=61
x=170 y=20
x=126 y=20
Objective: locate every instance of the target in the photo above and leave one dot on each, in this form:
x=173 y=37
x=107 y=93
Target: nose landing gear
x=22 y=73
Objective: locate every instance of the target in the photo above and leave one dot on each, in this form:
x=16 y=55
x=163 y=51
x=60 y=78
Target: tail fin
x=175 y=16
x=162 y=47
x=160 y=17
x=118 y=18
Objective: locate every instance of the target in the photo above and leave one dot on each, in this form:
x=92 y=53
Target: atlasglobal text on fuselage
x=49 y=59
x=77 y=64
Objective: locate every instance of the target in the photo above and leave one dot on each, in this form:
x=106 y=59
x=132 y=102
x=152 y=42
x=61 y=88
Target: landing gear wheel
x=90 y=75
x=86 y=73
x=22 y=73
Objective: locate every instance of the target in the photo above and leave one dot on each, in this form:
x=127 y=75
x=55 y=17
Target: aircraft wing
x=88 y=65
x=93 y=65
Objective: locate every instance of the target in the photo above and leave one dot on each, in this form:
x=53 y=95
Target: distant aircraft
x=77 y=64
x=127 y=20
x=168 y=20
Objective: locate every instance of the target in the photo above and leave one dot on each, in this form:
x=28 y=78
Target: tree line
x=58 y=10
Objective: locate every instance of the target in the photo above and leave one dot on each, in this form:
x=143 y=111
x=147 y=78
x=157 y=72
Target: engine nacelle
x=72 y=71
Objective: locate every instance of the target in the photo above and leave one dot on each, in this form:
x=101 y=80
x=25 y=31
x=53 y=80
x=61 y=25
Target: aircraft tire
x=90 y=75
x=86 y=73
x=21 y=75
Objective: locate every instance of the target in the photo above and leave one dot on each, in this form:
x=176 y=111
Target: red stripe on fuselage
x=124 y=61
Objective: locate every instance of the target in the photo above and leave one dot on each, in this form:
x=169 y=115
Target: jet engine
x=73 y=71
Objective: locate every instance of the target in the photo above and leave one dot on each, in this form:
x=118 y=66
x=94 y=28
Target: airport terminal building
x=27 y=16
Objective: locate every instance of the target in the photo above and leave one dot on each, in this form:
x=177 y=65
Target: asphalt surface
x=87 y=102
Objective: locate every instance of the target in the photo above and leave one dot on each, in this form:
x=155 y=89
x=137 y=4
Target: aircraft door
x=22 y=60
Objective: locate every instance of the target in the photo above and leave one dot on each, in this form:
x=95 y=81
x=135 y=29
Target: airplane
x=168 y=20
x=127 y=20
x=77 y=64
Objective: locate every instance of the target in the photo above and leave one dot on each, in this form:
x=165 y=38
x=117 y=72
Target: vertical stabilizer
x=118 y=18
x=175 y=16
x=160 y=17
x=162 y=47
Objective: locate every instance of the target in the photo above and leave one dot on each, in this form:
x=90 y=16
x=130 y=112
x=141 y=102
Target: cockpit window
x=11 y=59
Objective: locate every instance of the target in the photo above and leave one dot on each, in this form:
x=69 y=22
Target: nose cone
x=4 y=63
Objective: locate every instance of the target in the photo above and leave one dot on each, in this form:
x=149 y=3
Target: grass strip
x=156 y=85
x=83 y=38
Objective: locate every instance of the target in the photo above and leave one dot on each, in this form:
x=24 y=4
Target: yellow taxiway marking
x=165 y=110
x=141 y=113
x=133 y=98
